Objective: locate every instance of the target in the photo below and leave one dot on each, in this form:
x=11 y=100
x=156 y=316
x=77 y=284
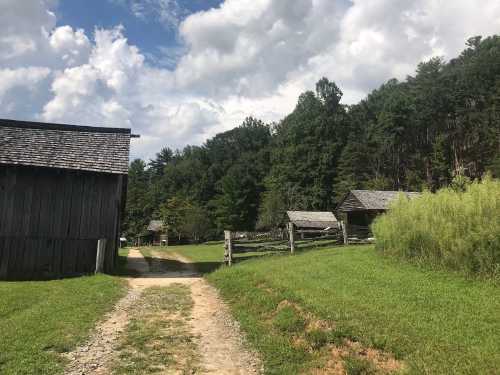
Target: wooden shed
x=62 y=189
x=158 y=232
x=312 y=220
x=359 y=208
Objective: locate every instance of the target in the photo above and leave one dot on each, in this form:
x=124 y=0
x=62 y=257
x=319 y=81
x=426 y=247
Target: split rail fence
x=288 y=240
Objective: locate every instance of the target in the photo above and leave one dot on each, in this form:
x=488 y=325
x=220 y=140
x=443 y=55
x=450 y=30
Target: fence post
x=228 y=248
x=101 y=251
x=344 y=232
x=291 y=232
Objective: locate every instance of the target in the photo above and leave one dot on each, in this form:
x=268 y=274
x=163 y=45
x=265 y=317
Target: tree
x=137 y=207
x=157 y=165
x=174 y=214
x=417 y=133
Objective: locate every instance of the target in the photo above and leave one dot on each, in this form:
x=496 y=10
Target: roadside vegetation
x=454 y=229
x=40 y=320
x=369 y=313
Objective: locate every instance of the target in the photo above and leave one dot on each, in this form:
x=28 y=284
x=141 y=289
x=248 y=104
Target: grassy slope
x=38 y=320
x=436 y=322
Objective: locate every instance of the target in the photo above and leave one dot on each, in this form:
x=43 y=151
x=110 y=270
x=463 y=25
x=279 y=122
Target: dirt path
x=220 y=344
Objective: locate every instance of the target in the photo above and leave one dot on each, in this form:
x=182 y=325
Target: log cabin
x=359 y=208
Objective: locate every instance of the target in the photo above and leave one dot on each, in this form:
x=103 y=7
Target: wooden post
x=291 y=232
x=228 y=248
x=101 y=251
x=344 y=231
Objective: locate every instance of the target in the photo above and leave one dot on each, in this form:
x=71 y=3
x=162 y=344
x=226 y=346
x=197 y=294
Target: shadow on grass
x=177 y=268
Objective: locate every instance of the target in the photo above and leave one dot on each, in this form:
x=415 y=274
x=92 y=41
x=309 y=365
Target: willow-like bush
x=457 y=230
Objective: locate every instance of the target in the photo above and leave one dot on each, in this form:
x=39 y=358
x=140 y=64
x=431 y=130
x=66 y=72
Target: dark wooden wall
x=51 y=219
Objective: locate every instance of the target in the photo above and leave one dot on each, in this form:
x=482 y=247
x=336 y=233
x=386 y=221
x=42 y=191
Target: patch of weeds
x=317 y=338
x=157 y=337
x=358 y=366
x=287 y=319
x=336 y=337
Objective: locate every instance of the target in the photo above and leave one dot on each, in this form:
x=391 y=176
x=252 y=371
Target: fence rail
x=279 y=240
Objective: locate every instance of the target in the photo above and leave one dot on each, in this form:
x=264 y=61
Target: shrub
x=455 y=229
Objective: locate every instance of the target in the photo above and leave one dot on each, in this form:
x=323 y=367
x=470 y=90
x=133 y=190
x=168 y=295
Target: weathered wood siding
x=51 y=219
x=350 y=203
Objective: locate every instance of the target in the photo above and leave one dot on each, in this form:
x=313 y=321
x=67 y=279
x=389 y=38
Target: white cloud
x=22 y=77
x=247 y=57
x=72 y=46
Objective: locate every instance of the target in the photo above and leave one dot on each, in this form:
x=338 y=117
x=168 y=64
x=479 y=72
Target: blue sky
x=153 y=35
x=180 y=71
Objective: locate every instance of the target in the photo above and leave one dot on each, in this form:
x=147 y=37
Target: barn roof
x=64 y=146
x=155 y=226
x=312 y=219
x=371 y=199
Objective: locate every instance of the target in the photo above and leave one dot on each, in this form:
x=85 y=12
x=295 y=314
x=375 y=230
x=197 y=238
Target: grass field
x=208 y=257
x=435 y=322
x=39 y=320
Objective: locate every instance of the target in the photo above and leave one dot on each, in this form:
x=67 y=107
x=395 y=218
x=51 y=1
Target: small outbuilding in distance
x=359 y=208
x=62 y=191
x=158 y=233
x=310 y=223
x=312 y=220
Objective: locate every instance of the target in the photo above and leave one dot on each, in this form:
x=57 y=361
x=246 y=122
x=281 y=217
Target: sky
x=179 y=71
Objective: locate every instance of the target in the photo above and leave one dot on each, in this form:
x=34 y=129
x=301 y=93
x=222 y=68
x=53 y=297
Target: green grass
x=121 y=262
x=39 y=320
x=435 y=321
x=207 y=257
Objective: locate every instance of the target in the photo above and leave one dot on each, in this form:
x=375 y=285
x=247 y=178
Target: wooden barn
x=62 y=189
x=158 y=233
x=359 y=208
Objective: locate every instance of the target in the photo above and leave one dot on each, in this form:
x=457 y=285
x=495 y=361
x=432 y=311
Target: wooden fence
x=288 y=240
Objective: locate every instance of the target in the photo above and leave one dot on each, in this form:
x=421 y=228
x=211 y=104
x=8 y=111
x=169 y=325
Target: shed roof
x=312 y=219
x=156 y=226
x=372 y=199
x=64 y=146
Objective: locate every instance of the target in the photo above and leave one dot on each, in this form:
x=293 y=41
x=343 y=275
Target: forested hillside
x=416 y=134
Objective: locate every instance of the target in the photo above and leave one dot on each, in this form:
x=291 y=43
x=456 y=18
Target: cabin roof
x=312 y=219
x=155 y=226
x=62 y=146
x=371 y=199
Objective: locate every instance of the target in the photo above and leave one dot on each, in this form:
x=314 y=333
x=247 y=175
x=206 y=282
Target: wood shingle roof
x=64 y=146
x=313 y=219
x=371 y=199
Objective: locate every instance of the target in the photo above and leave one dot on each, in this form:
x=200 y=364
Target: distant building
x=313 y=220
x=62 y=188
x=360 y=207
x=158 y=232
